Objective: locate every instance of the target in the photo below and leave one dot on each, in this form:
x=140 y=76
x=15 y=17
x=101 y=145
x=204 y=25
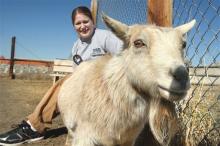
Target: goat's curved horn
x=118 y=28
x=186 y=27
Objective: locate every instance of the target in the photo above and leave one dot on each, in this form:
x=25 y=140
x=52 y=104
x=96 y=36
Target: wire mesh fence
x=135 y=10
x=200 y=112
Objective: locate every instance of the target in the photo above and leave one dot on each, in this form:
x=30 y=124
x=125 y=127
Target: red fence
x=28 y=62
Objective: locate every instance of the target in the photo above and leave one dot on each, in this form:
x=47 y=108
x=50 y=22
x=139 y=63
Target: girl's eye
x=139 y=43
x=85 y=22
x=77 y=23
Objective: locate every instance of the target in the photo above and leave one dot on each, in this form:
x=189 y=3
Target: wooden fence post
x=160 y=12
x=94 y=9
x=11 y=68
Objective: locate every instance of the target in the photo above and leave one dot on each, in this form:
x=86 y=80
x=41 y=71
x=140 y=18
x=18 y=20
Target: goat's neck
x=119 y=87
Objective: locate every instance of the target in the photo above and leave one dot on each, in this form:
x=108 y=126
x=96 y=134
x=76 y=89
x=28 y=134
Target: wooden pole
x=94 y=9
x=160 y=12
x=11 y=74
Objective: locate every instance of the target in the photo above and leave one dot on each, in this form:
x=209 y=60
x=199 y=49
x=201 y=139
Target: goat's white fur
x=109 y=100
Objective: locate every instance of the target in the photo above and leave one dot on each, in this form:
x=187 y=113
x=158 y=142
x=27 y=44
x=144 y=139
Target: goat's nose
x=180 y=74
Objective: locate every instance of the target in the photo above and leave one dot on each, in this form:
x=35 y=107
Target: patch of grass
x=200 y=116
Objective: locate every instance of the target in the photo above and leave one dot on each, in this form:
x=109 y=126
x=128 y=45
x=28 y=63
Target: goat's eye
x=184 y=44
x=139 y=43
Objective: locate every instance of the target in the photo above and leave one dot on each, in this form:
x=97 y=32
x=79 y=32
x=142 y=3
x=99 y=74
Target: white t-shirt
x=102 y=42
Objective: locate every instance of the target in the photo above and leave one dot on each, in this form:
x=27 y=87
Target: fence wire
x=200 y=112
x=121 y=10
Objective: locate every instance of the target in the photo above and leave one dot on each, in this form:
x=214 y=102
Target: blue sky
x=43 y=28
x=44 y=31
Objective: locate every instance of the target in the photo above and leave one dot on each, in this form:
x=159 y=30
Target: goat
x=107 y=101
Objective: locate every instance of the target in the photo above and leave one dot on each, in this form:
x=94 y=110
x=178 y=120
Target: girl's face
x=83 y=26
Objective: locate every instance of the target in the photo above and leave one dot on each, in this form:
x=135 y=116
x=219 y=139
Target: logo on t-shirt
x=97 y=52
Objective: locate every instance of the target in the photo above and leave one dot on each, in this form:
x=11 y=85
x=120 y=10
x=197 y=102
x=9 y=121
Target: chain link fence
x=127 y=11
x=200 y=112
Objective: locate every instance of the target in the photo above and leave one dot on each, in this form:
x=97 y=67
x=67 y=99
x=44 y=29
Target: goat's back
x=88 y=107
x=86 y=77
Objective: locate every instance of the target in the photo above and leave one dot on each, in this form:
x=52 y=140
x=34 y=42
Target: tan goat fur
x=108 y=101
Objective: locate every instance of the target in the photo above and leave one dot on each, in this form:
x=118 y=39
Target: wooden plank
x=195 y=80
x=160 y=12
x=204 y=71
x=61 y=68
x=65 y=69
x=63 y=62
x=57 y=75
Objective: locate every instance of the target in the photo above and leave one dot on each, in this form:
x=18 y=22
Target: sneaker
x=21 y=134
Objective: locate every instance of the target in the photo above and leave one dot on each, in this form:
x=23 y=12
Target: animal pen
x=199 y=113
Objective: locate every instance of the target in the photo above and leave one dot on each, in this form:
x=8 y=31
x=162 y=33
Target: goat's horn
x=186 y=27
x=118 y=28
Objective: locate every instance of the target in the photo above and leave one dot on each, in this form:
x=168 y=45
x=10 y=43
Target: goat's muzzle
x=179 y=86
x=181 y=76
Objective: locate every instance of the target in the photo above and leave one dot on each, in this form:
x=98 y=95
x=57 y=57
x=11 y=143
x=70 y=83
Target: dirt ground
x=18 y=98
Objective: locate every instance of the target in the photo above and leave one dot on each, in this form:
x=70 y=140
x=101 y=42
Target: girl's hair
x=83 y=10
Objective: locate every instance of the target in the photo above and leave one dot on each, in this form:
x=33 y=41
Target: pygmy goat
x=108 y=101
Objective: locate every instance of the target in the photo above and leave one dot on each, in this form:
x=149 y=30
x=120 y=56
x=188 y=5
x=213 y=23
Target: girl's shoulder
x=102 y=32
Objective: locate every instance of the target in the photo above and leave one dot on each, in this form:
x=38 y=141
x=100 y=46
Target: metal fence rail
x=200 y=112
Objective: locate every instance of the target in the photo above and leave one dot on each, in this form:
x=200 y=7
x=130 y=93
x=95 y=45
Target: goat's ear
x=118 y=28
x=186 y=27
